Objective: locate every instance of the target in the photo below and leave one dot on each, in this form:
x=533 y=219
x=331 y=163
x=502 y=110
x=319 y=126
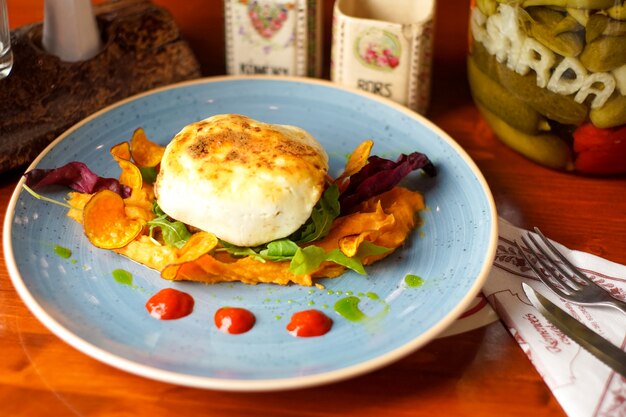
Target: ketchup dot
x=309 y=323
x=170 y=304
x=234 y=320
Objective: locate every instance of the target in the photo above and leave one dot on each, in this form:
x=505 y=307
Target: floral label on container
x=385 y=51
x=265 y=37
x=378 y=49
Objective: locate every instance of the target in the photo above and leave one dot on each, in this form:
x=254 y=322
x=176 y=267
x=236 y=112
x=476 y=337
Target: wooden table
x=479 y=373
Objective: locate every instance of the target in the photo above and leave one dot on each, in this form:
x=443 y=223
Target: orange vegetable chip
x=121 y=151
x=385 y=220
x=145 y=153
x=349 y=245
x=198 y=244
x=77 y=201
x=105 y=222
x=357 y=161
x=148 y=252
x=131 y=175
x=225 y=268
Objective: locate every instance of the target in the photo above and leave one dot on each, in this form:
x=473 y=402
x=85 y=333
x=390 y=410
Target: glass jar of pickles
x=549 y=77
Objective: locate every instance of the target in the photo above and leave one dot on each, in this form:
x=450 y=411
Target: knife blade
x=595 y=344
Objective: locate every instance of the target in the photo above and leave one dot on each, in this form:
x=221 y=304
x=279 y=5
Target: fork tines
x=555 y=270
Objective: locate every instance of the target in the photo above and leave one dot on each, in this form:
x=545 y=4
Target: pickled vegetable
x=576 y=4
x=580 y=15
x=612 y=114
x=563 y=109
x=600 y=151
x=499 y=101
x=549 y=77
x=546 y=149
x=618 y=12
x=488 y=7
x=604 y=54
x=557 y=31
x=595 y=27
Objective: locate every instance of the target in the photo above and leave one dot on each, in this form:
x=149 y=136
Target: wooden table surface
x=478 y=373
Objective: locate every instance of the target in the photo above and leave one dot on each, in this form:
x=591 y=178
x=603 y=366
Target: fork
x=555 y=269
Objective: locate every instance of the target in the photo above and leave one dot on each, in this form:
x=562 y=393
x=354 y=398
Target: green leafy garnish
x=304 y=260
x=322 y=216
x=240 y=252
x=174 y=233
x=49 y=200
x=367 y=248
x=307 y=260
x=279 y=250
x=148 y=174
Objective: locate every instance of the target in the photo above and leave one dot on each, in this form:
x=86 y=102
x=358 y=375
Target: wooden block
x=43 y=97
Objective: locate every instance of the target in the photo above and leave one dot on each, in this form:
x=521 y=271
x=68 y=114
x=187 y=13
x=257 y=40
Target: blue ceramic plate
x=78 y=298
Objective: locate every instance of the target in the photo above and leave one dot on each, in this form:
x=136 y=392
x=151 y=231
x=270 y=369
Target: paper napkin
x=582 y=384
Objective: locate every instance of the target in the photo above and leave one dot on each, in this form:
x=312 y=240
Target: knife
x=595 y=344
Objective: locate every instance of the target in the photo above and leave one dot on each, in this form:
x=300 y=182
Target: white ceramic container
x=385 y=47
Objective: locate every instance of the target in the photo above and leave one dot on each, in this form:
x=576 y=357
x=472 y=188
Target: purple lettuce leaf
x=78 y=177
x=381 y=175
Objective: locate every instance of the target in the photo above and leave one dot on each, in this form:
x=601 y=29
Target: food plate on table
x=95 y=299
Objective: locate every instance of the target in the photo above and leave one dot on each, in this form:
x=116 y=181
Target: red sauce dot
x=309 y=323
x=170 y=304
x=234 y=320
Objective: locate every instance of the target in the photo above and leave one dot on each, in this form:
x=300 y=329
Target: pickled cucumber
x=554 y=106
x=604 y=54
x=596 y=25
x=612 y=114
x=549 y=27
x=615 y=28
x=499 y=101
x=546 y=149
x=576 y=4
x=568 y=24
x=581 y=16
x=487 y=7
x=618 y=12
x=600 y=24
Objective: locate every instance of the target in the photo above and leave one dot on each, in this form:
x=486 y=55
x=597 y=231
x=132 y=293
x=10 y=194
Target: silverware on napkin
x=562 y=277
x=595 y=344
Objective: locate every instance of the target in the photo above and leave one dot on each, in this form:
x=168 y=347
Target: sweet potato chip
x=142 y=195
x=145 y=153
x=121 y=151
x=149 y=253
x=349 y=245
x=225 y=268
x=357 y=160
x=131 y=175
x=77 y=201
x=198 y=244
x=105 y=222
x=385 y=220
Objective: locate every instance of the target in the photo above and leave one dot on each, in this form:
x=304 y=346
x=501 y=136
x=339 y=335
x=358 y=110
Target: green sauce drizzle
x=123 y=277
x=348 y=308
x=413 y=281
x=62 y=252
